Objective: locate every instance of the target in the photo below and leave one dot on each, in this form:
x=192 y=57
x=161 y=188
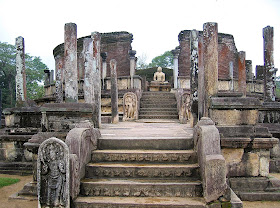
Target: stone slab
x=131 y=170
x=141 y=188
x=157 y=156
x=136 y=202
x=163 y=143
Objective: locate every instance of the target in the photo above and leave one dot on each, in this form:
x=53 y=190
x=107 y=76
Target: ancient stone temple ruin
x=103 y=136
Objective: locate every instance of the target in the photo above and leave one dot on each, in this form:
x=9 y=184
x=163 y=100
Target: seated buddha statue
x=159 y=76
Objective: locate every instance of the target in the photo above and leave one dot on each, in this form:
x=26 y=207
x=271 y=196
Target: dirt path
x=7 y=191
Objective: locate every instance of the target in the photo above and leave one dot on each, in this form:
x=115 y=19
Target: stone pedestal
x=70 y=62
x=21 y=94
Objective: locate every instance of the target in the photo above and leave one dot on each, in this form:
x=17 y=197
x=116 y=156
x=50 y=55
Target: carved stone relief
x=53 y=174
x=130 y=108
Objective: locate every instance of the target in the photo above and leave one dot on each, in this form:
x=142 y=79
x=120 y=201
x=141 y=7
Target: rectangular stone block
x=214 y=182
x=234 y=117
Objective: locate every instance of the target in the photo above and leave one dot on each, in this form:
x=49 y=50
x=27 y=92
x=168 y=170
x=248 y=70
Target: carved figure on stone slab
x=130 y=108
x=186 y=106
x=53 y=174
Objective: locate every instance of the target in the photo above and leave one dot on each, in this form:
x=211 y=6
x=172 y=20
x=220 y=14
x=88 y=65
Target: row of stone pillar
x=204 y=67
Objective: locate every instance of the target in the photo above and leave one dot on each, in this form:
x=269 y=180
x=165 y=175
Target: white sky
x=155 y=24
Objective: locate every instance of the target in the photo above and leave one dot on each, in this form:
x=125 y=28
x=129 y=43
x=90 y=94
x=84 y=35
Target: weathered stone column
x=88 y=62
x=132 y=67
x=249 y=70
x=242 y=72
x=47 y=77
x=210 y=60
x=104 y=68
x=194 y=64
x=269 y=70
x=59 y=68
x=21 y=94
x=96 y=79
x=114 y=91
x=201 y=90
x=175 y=53
x=70 y=62
x=231 y=76
x=0 y=108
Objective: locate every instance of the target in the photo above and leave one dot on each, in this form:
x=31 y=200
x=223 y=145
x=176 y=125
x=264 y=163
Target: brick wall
x=227 y=53
x=117 y=45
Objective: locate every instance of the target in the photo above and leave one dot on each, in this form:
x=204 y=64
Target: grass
x=8 y=181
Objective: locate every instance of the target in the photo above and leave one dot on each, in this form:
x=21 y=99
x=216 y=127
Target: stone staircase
x=142 y=171
x=158 y=105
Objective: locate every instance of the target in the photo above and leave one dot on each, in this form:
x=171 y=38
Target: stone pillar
x=114 y=91
x=132 y=67
x=104 y=68
x=70 y=62
x=269 y=70
x=194 y=64
x=21 y=94
x=231 y=87
x=249 y=70
x=88 y=62
x=210 y=60
x=51 y=76
x=47 y=77
x=59 y=68
x=0 y=108
x=175 y=53
x=201 y=90
x=242 y=72
x=96 y=79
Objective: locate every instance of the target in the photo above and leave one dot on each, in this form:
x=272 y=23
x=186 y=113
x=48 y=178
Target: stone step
x=146 y=143
x=140 y=188
x=157 y=94
x=249 y=184
x=155 y=113
x=259 y=196
x=158 y=102
x=158 y=116
x=140 y=156
x=158 y=105
x=158 y=109
x=139 y=202
x=140 y=170
x=16 y=168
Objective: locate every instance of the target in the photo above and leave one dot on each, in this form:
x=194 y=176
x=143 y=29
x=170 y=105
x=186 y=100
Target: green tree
x=164 y=60
x=34 y=75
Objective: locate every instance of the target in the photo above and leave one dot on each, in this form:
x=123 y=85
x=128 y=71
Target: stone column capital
x=176 y=52
x=132 y=54
x=104 y=56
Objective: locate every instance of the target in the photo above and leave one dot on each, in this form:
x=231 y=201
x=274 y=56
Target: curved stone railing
x=211 y=161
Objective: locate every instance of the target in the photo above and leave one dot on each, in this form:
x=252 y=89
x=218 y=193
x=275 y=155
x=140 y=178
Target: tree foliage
x=34 y=75
x=165 y=60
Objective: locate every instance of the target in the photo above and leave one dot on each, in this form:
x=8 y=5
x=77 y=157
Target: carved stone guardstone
x=53 y=174
x=130 y=107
